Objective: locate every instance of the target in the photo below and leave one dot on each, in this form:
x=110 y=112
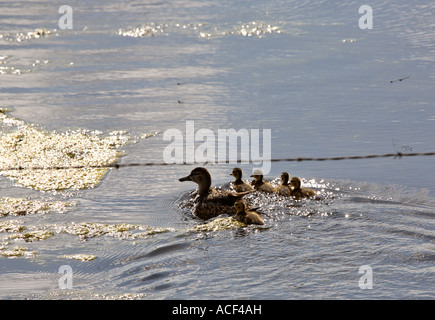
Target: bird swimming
x=259 y=184
x=284 y=189
x=246 y=216
x=210 y=203
x=238 y=184
x=299 y=192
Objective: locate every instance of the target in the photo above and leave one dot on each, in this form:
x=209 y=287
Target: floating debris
x=85 y=295
x=15 y=231
x=21 y=206
x=149 y=231
x=124 y=296
x=149 y=30
x=11 y=226
x=81 y=257
x=219 y=224
x=31 y=236
x=17 y=251
x=83 y=152
x=18 y=232
x=23 y=36
x=88 y=230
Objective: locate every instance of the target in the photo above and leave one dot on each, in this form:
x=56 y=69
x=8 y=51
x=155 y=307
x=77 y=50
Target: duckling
x=239 y=184
x=245 y=216
x=299 y=192
x=284 y=189
x=209 y=202
x=259 y=184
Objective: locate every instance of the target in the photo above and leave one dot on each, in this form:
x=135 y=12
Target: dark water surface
x=303 y=69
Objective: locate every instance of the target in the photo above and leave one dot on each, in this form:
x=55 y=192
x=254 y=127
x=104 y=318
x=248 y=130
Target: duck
x=284 y=189
x=210 y=203
x=259 y=184
x=299 y=192
x=238 y=184
x=246 y=216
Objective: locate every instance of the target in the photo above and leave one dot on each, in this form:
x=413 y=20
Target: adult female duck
x=209 y=202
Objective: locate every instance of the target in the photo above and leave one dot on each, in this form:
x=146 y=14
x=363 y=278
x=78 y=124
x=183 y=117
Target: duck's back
x=223 y=197
x=303 y=193
x=283 y=190
x=208 y=210
x=250 y=217
x=241 y=186
x=217 y=203
x=264 y=187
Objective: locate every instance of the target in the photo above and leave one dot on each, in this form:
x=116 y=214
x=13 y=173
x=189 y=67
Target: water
x=301 y=68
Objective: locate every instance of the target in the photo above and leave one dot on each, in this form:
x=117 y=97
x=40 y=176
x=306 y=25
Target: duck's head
x=284 y=178
x=240 y=205
x=237 y=173
x=200 y=176
x=295 y=182
x=258 y=174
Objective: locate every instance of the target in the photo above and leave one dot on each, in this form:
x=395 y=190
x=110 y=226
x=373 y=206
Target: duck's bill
x=185 y=179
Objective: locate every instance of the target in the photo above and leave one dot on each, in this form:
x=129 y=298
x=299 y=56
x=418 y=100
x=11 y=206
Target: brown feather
x=245 y=216
x=238 y=184
x=209 y=202
x=299 y=192
x=284 y=189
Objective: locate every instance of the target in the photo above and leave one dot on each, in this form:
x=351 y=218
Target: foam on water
x=21 y=206
x=29 y=147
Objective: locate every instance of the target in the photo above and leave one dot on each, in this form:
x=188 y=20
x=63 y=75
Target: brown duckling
x=284 y=188
x=210 y=202
x=246 y=216
x=299 y=192
x=259 y=184
x=238 y=183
